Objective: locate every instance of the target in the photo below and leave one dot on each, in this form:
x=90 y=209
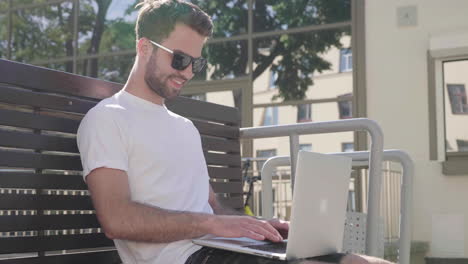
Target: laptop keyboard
x=279 y=247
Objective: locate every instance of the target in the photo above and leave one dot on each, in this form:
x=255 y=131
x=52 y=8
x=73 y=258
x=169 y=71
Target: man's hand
x=245 y=226
x=281 y=226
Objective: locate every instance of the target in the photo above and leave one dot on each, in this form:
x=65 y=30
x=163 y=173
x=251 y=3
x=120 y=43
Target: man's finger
x=264 y=232
x=279 y=224
x=272 y=229
x=253 y=235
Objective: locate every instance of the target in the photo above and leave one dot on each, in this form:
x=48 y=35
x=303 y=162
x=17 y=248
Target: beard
x=157 y=83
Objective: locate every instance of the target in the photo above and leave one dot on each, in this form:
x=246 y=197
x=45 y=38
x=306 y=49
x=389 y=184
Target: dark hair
x=157 y=18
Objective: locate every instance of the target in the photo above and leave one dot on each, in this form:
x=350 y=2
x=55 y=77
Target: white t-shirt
x=162 y=155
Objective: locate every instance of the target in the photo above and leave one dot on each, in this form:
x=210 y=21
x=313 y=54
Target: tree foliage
x=291 y=57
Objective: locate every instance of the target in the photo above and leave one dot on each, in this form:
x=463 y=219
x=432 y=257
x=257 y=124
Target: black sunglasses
x=180 y=60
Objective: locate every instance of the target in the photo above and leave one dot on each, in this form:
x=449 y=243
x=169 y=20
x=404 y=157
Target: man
x=144 y=165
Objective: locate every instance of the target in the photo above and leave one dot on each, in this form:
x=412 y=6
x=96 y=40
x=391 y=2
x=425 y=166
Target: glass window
x=457 y=95
x=276 y=15
x=462 y=145
x=270 y=116
x=306 y=147
x=347 y=147
x=304 y=113
x=43 y=33
x=345 y=106
x=264 y=155
x=456 y=107
x=346 y=60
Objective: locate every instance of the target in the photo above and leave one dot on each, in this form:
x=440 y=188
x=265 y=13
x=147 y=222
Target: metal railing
x=375 y=158
x=358 y=157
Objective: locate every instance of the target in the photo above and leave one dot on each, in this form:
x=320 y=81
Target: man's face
x=160 y=76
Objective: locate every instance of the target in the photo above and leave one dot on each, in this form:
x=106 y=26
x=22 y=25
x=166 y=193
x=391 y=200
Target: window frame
x=345 y=99
x=453 y=163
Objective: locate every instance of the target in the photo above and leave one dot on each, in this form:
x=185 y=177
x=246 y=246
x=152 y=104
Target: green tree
x=293 y=57
x=119 y=35
x=90 y=66
x=43 y=33
x=3 y=33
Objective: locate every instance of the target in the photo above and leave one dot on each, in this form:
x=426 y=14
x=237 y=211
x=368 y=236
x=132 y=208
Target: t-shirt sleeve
x=101 y=142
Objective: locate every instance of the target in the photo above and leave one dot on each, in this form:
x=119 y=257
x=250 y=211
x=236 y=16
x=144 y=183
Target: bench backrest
x=45 y=209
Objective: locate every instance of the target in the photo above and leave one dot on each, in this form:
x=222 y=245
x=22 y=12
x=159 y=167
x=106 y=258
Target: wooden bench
x=46 y=214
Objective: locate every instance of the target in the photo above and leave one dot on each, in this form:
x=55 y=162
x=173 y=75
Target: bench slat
x=216 y=130
x=220 y=144
x=44 y=202
x=225 y=173
x=227 y=187
x=50 y=243
x=13 y=95
x=55 y=81
x=39 y=161
x=24 y=180
x=18 y=139
x=233 y=160
x=47 y=222
x=36 y=121
x=104 y=257
x=236 y=202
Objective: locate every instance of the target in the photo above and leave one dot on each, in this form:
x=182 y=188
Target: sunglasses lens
x=180 y=61
x=198 y=65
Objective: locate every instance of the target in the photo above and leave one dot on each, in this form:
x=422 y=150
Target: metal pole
x=76 y=14
x=247 y=91
x=294 y=149
x=10 y=29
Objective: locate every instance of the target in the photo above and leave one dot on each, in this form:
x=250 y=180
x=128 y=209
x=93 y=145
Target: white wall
x=397 y=98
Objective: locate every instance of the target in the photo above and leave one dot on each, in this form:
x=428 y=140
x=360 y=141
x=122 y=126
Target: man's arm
x=122 y=218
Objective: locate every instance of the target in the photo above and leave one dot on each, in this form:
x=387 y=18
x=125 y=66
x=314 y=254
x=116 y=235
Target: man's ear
x=144 y=48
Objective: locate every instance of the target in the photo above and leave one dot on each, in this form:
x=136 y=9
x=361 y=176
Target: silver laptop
x=317 y=217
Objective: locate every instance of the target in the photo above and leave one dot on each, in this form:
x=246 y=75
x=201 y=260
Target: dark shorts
x=217 y=256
